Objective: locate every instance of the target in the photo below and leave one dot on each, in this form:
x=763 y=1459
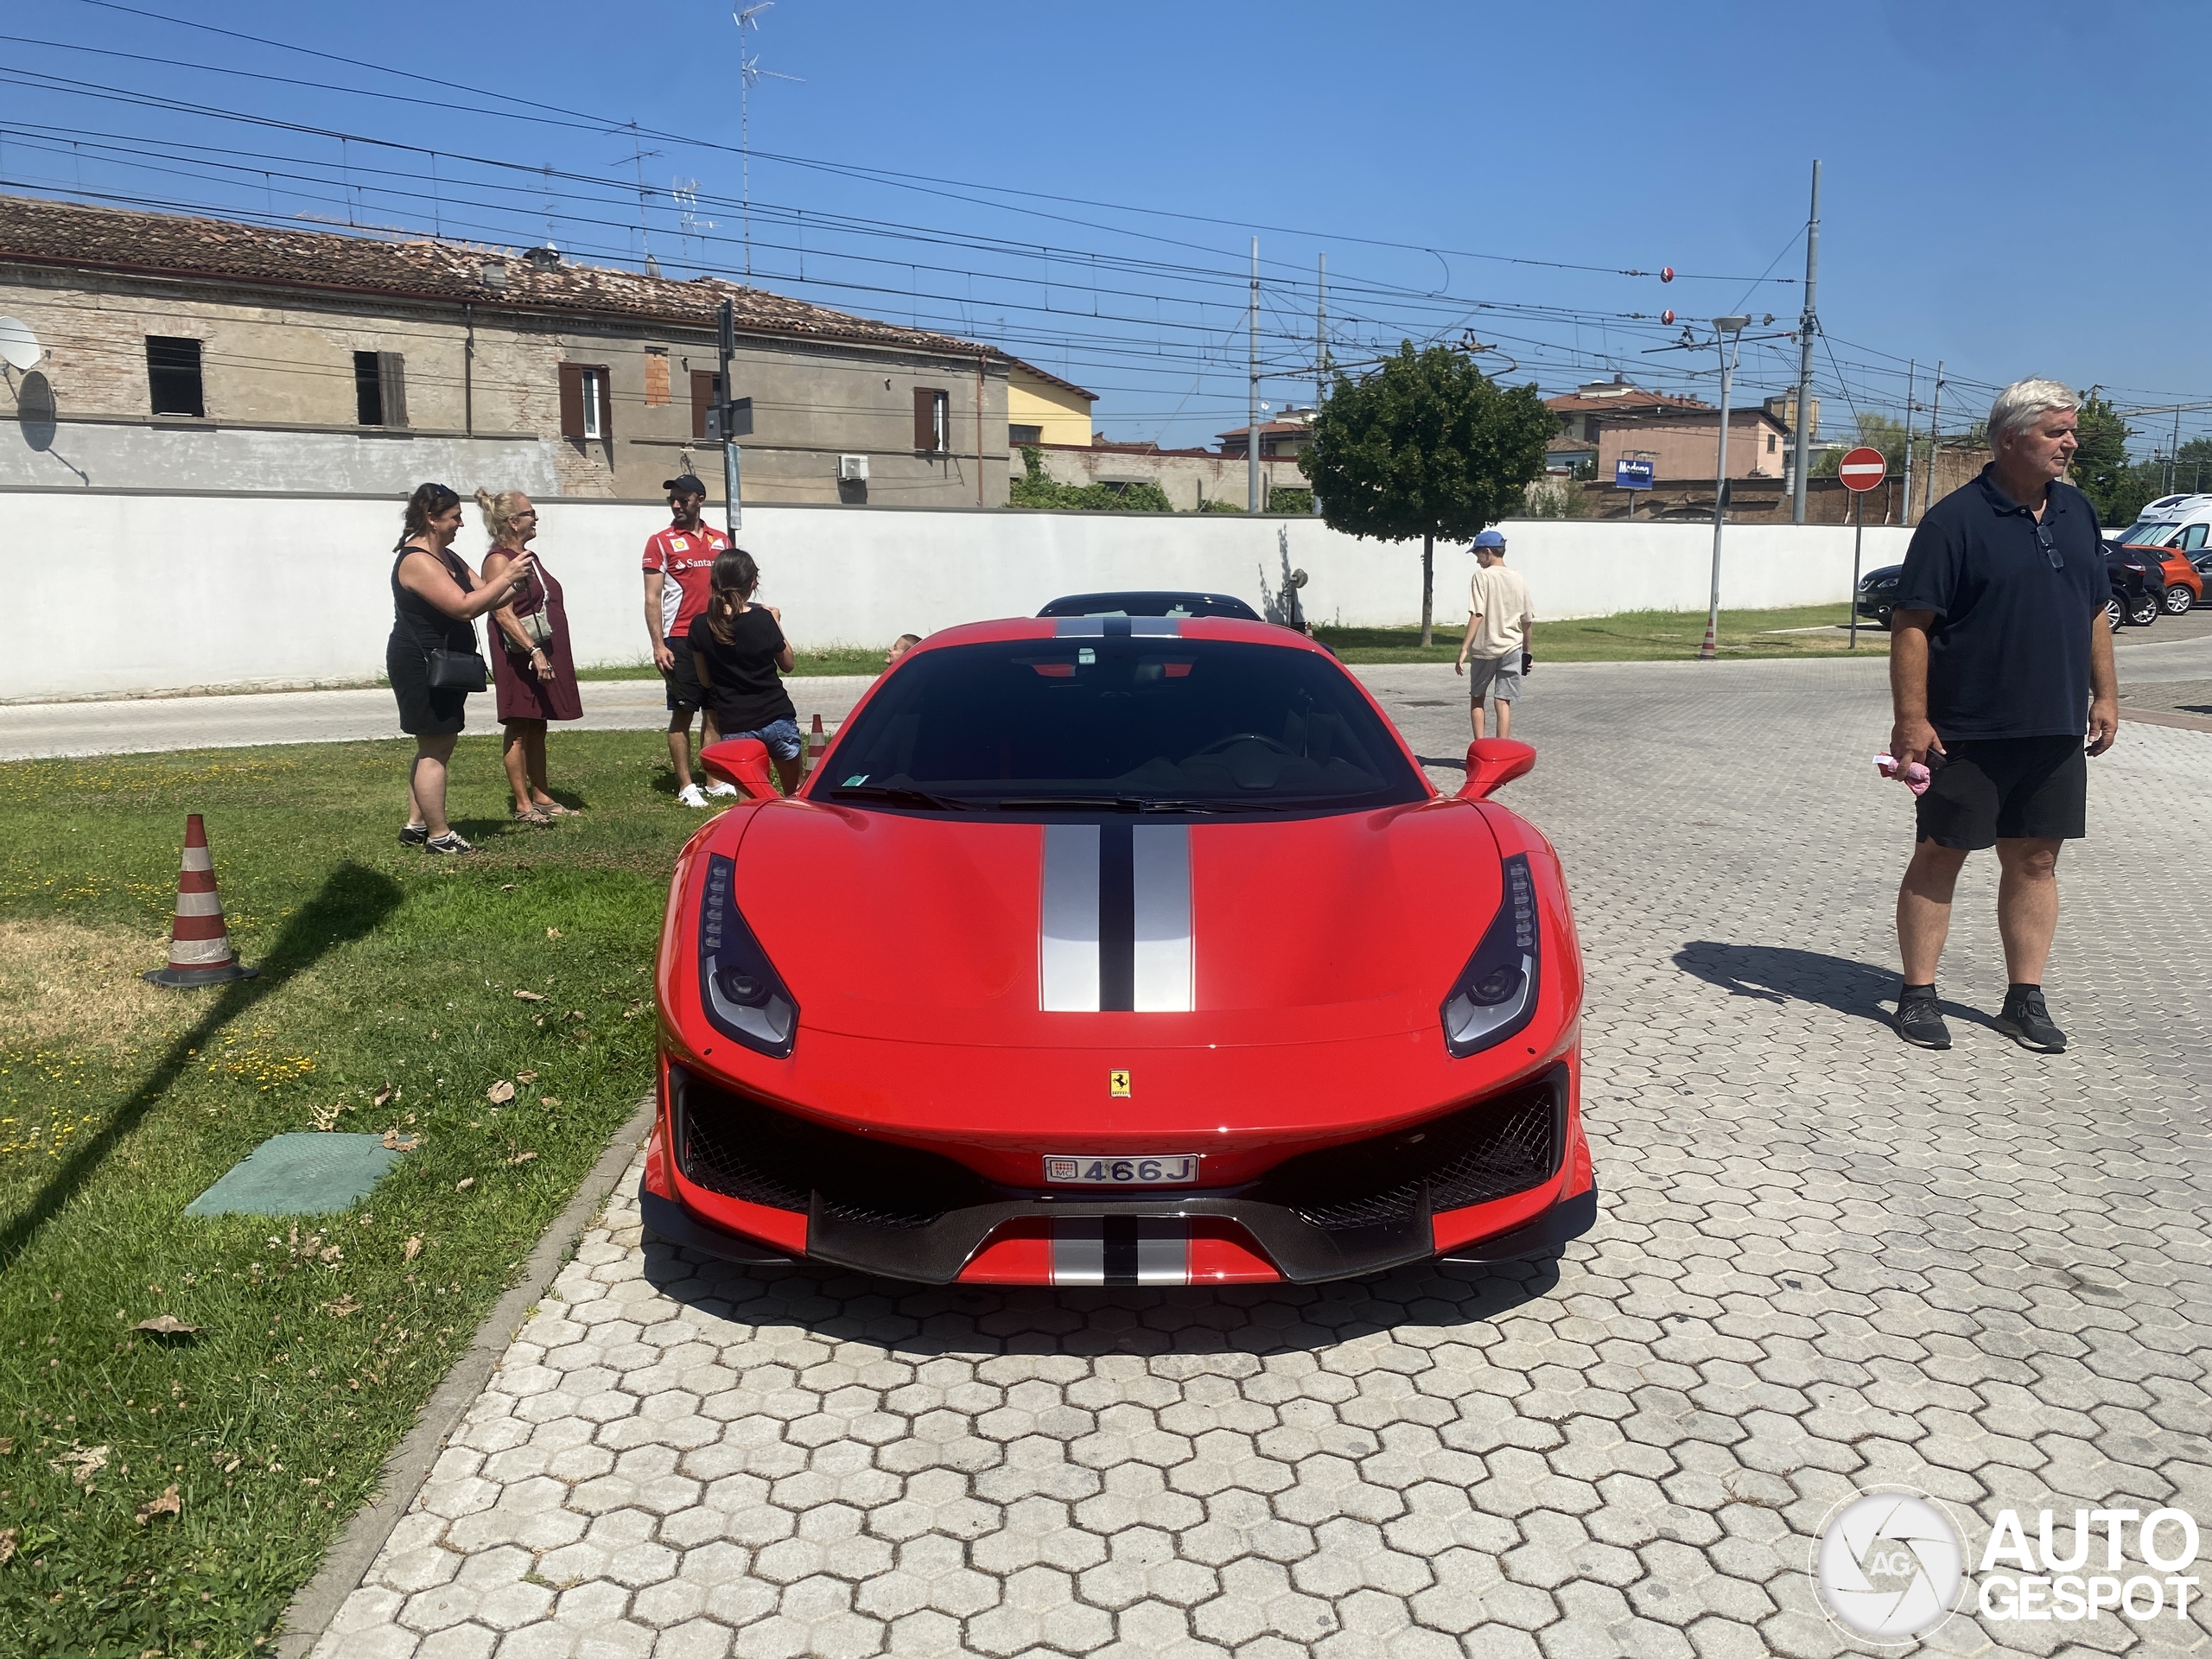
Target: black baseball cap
x=686 y=485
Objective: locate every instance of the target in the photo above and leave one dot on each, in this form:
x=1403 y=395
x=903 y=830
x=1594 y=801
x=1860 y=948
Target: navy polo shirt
x=2008 y=655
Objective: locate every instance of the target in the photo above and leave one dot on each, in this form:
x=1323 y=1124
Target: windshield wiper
x=1126 y=804
x=892 y=795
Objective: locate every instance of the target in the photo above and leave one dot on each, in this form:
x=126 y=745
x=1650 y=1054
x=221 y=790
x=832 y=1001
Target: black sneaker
x=2027 y=1022
x=1920 y=1022
x=414 y=835
x=450 y=842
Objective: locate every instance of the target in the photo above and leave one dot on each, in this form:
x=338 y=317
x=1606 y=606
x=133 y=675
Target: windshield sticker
x=857 y=778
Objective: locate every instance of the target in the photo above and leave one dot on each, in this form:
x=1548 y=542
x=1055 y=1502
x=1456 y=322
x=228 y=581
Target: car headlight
x=738 y=986
x=1495 y=994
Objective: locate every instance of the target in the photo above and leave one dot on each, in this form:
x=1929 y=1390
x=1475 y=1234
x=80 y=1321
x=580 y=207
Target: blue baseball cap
x=1488 y=539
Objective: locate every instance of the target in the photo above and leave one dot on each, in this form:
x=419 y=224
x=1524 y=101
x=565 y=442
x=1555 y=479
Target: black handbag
x=457 y=670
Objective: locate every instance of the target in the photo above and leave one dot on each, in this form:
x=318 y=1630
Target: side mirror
x=744 y=761
x=1492 y=761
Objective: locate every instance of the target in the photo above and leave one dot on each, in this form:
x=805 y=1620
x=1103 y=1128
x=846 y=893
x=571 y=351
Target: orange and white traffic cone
x=200 y=944
x=816 y=741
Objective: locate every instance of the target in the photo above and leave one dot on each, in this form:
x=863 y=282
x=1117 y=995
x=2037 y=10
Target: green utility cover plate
x=304 y=1174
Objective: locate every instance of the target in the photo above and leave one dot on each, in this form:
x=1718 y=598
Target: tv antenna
x=749 y=72
x=684 y=193
x=637 y=160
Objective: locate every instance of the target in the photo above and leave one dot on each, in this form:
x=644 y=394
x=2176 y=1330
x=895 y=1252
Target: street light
x=1728 y=340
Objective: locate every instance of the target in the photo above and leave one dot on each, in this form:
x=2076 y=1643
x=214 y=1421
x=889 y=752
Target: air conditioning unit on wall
x=852 y=469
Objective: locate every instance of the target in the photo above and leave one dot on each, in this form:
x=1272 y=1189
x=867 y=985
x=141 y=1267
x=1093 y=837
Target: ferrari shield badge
x=1117 y=1084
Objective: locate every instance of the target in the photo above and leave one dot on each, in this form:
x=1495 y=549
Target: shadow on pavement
x=353 y=901
x=1780 y=973
x=925 y=1321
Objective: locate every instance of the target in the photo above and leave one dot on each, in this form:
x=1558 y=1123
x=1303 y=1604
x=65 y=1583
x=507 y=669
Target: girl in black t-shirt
x=739 y=646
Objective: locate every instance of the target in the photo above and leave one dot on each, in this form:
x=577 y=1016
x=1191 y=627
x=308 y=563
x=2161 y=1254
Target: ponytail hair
x=426 y=504
x=499 y=513
x=735 y=576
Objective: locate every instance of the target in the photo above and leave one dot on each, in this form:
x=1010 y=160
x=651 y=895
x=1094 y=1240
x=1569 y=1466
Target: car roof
x=1150 y=601
x=1171 y=628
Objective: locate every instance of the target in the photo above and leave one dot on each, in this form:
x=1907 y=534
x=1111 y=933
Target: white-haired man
x=1999 y=661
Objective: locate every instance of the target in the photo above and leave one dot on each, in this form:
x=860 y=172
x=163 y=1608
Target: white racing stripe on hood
x=1067 y=946
x=1162 y=861
x=1115 y=918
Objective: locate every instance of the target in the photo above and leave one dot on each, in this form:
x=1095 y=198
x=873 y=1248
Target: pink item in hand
x=1914 y=777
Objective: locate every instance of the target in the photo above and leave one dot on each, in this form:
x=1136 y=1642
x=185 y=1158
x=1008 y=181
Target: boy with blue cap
x=1495 y=653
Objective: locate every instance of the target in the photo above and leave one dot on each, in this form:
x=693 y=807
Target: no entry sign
x=1862 y=469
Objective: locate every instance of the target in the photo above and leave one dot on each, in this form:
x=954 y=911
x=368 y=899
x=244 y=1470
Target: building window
x=1770 y=443
x=173 y=376
x=705 y=390
x=1018 y=435
x=933 y=420
x=585 y=410
x=379 y=389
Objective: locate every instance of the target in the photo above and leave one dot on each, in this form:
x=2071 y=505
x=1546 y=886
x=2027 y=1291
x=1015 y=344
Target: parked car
x=2136 y=597
x=1151 y=602
x=2175 y=558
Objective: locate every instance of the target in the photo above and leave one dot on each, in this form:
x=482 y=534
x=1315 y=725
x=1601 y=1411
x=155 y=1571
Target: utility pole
x=732 y=512
x=1935 y=422
x=2173 y=466
x=1911 y=378
x=1320 y=353
x=1728 y=339
x=1807 y=324
x=1252 y=397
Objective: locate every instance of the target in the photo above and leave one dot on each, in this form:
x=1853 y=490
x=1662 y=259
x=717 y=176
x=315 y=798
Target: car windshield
x=1131 y=723
x=2148 y=532
x=1151 y=604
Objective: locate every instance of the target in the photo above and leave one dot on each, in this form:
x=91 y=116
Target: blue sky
x=2002 y=182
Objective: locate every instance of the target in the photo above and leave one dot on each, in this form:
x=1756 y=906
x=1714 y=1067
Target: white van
x=2177 y=521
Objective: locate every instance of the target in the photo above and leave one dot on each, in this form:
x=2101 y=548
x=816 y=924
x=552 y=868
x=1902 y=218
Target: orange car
x=2177 y=553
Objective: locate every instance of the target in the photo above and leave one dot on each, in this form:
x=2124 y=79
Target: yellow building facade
x=1042 y=408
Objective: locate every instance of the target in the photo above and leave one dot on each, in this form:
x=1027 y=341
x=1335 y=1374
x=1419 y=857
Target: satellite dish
x=18 y=346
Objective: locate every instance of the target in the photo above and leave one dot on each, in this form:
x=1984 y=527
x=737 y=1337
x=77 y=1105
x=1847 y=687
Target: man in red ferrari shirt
x=679 y=563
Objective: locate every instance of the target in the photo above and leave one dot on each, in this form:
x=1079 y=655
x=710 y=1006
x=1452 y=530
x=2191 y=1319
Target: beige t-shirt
x=1500 y=597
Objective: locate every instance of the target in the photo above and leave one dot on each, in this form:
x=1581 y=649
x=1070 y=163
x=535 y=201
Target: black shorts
x=2007 y=788
x=685 y=696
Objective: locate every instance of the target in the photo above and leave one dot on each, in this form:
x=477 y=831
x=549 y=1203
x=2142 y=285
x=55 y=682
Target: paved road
x=1823 y=1262
x=145 y=725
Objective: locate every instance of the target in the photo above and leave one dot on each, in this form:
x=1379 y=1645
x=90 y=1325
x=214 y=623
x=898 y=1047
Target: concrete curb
x=2165 y=717
x=311 y=1610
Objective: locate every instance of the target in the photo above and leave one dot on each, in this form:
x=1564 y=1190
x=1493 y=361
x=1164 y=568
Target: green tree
x=2115 y=485
x=1426 y=445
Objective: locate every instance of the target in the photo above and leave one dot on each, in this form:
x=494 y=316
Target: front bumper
x=744 y=1180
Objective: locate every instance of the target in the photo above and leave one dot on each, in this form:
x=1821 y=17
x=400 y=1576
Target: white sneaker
x=721 y=786
x=690 y=796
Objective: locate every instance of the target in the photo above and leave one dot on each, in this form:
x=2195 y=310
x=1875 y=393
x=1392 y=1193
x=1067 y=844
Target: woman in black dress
x=435 y=602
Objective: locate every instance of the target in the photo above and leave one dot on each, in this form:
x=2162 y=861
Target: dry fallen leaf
x=384 y=1094
x=525 y=1076
x=552 y=933
x=575 y=1014
x=80 y=1464
x=7 y=1545
x=167 y=1503
x=548 y=1100
x=167 y=1324
x=530 y=996
x=500 y=1092
x=522 y=1157
x=394 y=1142
x=7 y=1446
x=325 y=1118
x=464 y=1184
x=509 y=887
x=344 y=1309
x=411 y=1248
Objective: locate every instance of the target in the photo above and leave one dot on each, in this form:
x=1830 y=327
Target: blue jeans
x=780 y=735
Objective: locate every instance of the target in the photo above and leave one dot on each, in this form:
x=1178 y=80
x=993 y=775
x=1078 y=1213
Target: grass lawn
x=842 y=659
x=388 y=999
x=1632 y=637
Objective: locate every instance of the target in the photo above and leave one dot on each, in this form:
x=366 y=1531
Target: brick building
x=185 y=352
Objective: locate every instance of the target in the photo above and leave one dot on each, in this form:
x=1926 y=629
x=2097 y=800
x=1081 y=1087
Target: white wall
x=111 y=593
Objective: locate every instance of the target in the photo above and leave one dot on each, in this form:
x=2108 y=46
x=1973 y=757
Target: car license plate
x=1178 y=1169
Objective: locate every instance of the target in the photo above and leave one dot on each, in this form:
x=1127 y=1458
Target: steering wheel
x=1247 y=737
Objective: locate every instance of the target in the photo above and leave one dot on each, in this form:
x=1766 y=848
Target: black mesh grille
x=1484 y=1151
x=743 y=1149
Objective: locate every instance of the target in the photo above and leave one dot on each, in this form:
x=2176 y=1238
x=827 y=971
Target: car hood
x=1158 y=932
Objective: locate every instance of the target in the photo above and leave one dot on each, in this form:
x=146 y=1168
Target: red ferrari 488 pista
x=1119 y=951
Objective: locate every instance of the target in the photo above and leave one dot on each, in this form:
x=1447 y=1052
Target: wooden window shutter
x=572 y=400
x=392 y=385
x=924 y=418
x=703 y=399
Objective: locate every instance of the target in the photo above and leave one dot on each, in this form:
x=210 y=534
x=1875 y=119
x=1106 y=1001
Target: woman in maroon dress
x=536 y=676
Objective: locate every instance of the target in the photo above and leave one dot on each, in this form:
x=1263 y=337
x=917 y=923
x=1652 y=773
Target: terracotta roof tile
x=34 y=231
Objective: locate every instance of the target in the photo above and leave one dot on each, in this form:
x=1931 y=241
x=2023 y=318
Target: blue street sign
x=1631 y=474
